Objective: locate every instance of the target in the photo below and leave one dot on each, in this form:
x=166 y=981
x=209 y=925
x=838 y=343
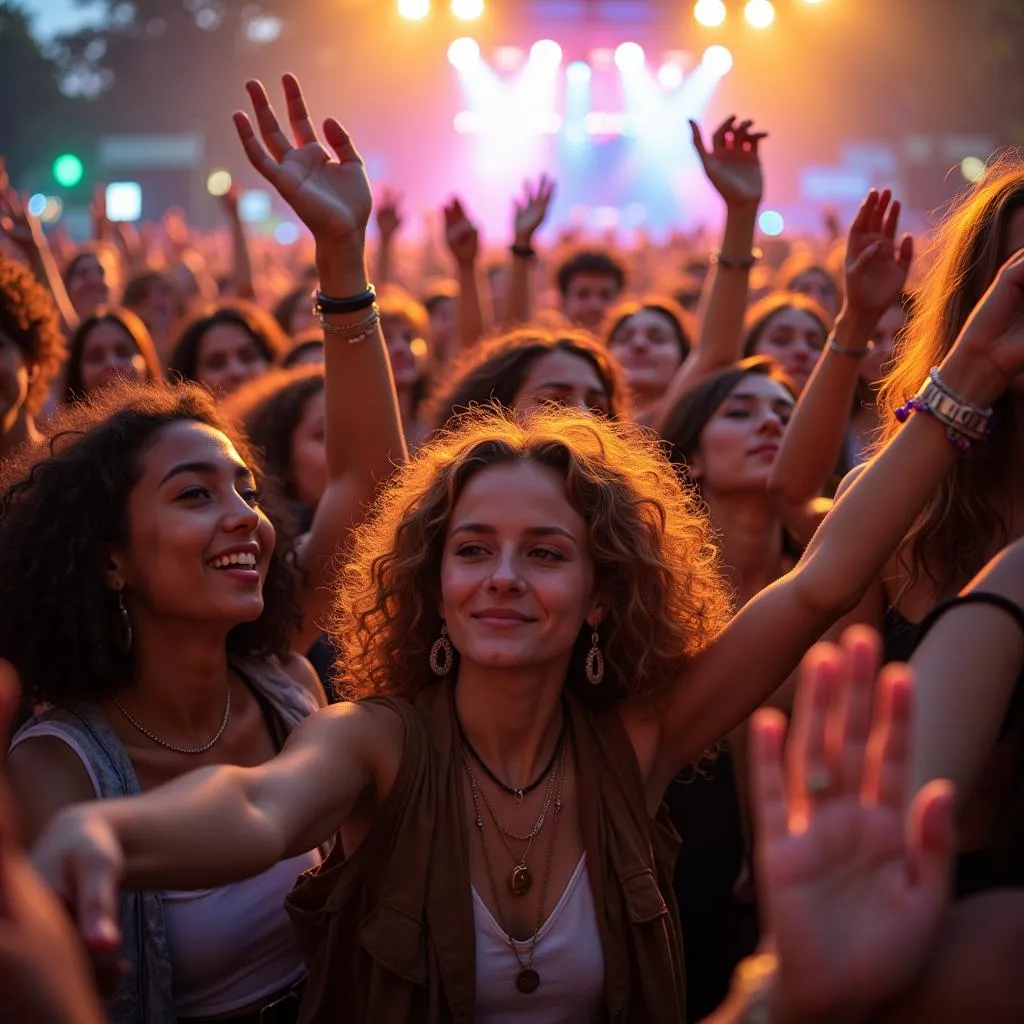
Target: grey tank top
x=144 y=995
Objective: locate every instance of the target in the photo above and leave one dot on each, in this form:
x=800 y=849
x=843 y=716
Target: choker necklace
x=170 y=746
x=511 y=790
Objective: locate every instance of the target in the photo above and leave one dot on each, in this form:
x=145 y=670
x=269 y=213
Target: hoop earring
x=126 y=623
x=442 y=646
x=595 y=661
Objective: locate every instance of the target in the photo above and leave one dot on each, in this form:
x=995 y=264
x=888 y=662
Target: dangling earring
x=442 y=646
x=126 y=623
x=595 y=661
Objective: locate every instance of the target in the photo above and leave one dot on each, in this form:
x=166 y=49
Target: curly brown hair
x=64 y=504
x=961 y=527
x=29 y=317
x=651 y=544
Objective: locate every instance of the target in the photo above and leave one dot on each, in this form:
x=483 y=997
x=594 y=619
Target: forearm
x=385 y=246
x=44 y=266
x=814 y=437
x=519 y=309
x=241 y=268
x=471 y=313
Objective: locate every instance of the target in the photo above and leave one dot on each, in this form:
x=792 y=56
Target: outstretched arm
x=529 y=216
x=242 y=286
x=389 y=221
x=464 y=244
x=364 y=432
x=733 y=166
x=876 y=271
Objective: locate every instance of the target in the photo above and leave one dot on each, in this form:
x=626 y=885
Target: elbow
x=826 y=595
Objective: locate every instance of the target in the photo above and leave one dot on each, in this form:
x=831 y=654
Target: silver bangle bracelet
x=353 y=333
x=842 y=350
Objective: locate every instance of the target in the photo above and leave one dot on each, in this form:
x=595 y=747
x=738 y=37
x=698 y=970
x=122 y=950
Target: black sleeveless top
x=975 y=870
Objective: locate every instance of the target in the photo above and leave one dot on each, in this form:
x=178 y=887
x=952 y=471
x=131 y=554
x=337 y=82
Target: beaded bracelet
x=353 y=333
x=956 y=439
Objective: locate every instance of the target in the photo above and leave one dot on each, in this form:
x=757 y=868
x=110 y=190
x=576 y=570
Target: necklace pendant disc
x=521 y=880
x=527 y=981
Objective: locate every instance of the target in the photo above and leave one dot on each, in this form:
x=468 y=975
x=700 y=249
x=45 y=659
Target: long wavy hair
x=650 y=542
x=961 y=526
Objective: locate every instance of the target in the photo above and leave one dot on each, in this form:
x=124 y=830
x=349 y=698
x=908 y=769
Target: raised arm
x=463 y=242
x=764 y=642
x=242 y=286
x=529 y=216
x=733 y=167
x=876 y=270
x=969 y=663
x=219 y=825
x=363 y=432
x=389 y=221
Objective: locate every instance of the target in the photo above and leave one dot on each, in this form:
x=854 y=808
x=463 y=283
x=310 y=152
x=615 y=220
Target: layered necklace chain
x=193 y=751
x=520 y=880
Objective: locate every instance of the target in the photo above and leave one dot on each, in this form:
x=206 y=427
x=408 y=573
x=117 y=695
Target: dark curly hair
x=132 y=325
x=63 y=505
x=589 y=261
x=258 y=324
x=494 y=370
x=270 y=408
x=650 y=542
x=29 y=317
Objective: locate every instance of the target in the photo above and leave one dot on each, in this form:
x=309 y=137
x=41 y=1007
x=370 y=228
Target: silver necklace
x=170 y=746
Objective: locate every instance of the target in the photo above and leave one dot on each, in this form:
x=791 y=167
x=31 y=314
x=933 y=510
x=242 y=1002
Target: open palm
x=854 y=884
x=531 y=212
x=876 y=268
x=733 y=165
x=331 y=197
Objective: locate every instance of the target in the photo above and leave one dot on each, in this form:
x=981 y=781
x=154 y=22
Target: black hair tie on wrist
x=327 y=304
x=526 y=252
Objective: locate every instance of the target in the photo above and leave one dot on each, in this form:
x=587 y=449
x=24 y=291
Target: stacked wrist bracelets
x=326 y=305
x=964 y=421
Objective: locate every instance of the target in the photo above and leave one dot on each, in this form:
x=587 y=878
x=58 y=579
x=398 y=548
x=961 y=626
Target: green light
x=68 y=170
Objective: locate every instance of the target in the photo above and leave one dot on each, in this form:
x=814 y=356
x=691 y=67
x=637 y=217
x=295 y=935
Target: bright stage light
x=972 y=168
x=717 y=60
x=812 y=2
x=124 y=201
x=630 y=57
x=771 y=223
x=466 y=122
x=218 y=183
x=286 y=233
x=36 y=204
x=709 y=13
x=464 y=54
x=578 y=72
x=759 y=13
x=52 y=210
x=546 y=53
x=670 y=75
x=468 y=10
x=414 y=10
x=509 y=58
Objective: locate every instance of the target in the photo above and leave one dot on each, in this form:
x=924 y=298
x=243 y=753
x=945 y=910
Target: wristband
x=525 y=252
x=740 y=263
x=842 y=350
x=327 y=305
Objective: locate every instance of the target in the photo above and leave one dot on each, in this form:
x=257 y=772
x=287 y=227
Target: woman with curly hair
x=135 y=533
x=225 y=348
x=532 y=626
x=112 y=344
x=529 y=367
x=32 y=349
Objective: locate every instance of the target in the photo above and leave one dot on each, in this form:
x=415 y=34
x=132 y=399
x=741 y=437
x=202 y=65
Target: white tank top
x=568 y=958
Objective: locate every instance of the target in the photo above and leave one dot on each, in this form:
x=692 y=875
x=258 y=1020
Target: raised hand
x=331 y=197
x=531 y=212
x=733 y=166
x=229 y=202
x=853 y=884
x=98 y=213
x=876 y=267
x=460 y=233
x=389 y=213
x=20 y=226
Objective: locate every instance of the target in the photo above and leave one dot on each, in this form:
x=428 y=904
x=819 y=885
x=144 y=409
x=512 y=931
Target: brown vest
x=389 y=934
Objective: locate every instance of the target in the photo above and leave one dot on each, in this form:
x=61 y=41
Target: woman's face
x=740 y=442
x=308 y=454
x=875 y=363
x=198 y=546
x=647 y=350
x=794 y=339
x=817 y=285
x=87 y=285
x=406 y=350
x=517 y=579
x=109 y=353
x=562 y=377
x=228 y=356
x=159 y=309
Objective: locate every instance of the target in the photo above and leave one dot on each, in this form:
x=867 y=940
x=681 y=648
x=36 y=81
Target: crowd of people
x=590 y=633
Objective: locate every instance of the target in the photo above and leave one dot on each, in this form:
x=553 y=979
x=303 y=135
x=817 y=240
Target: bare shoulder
x=46 y=775
x=298 y=667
